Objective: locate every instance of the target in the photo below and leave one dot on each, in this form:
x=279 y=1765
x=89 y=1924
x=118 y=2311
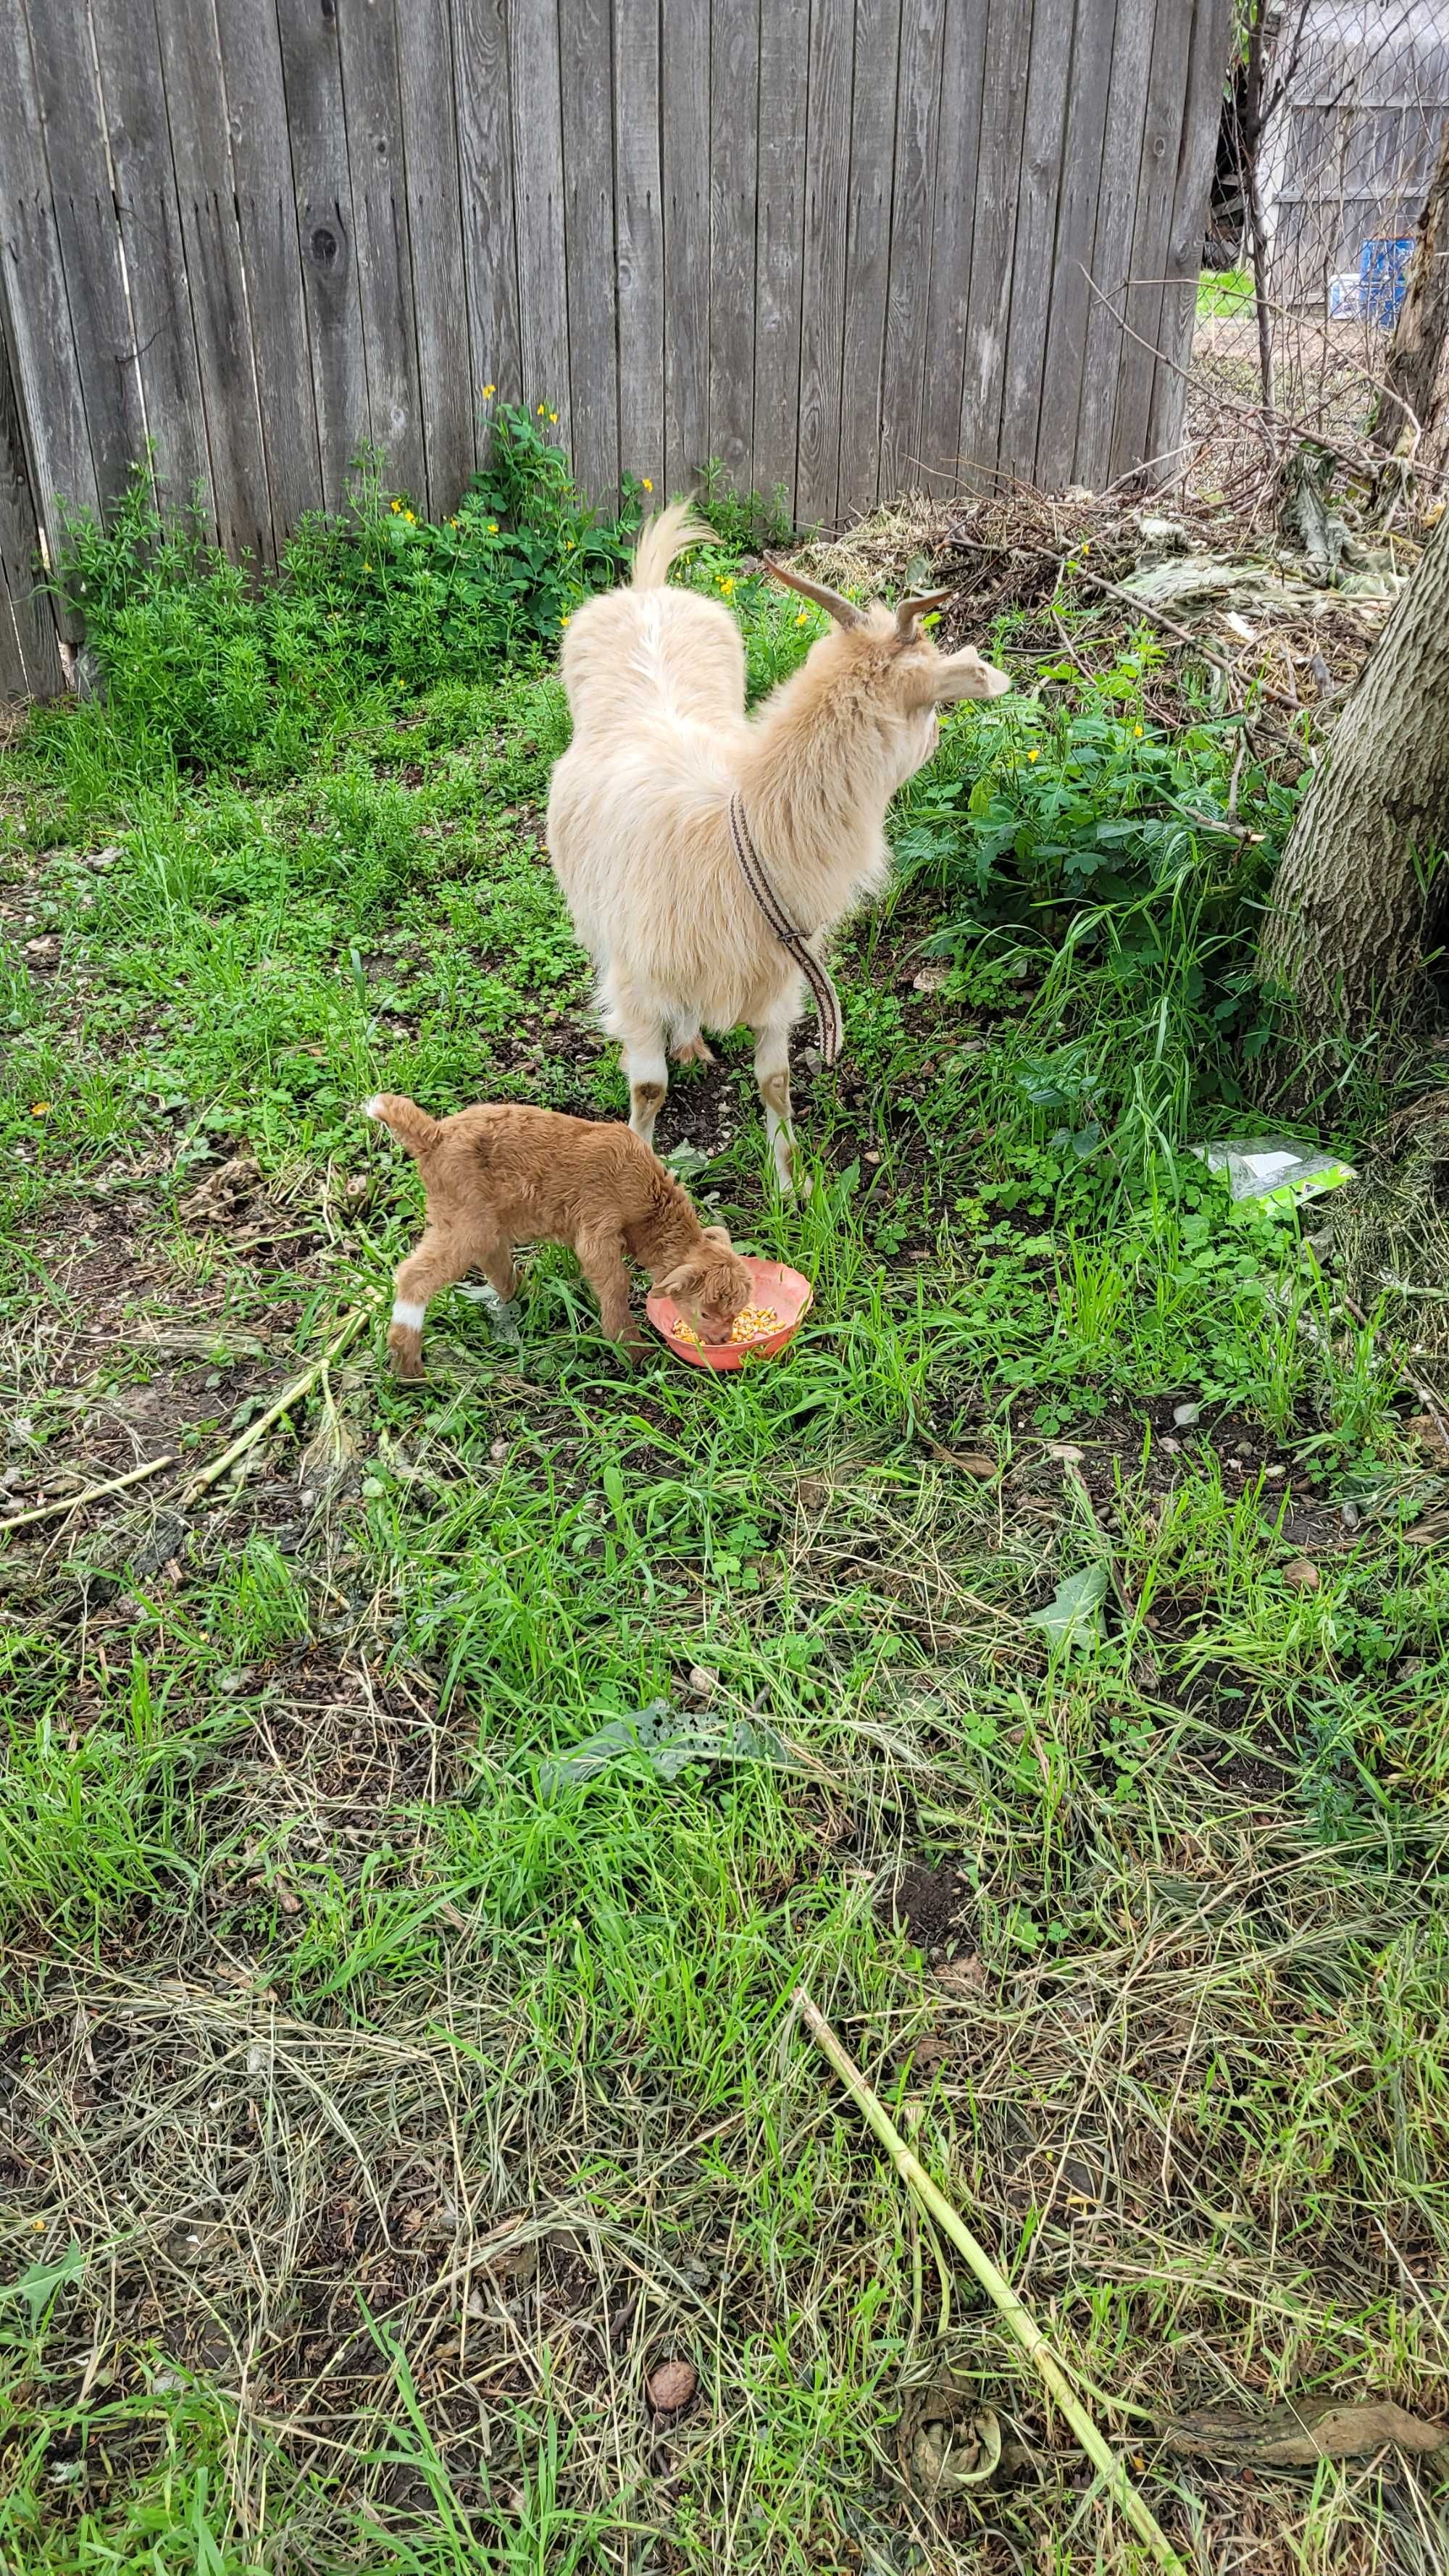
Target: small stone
x=1351 y=1516
x=702 y=1681
x=670 y=2386
x=1184 y=1415
x=1173 y=1447
x=1065 y=1453
x=1302 y=1574
x=930 y=979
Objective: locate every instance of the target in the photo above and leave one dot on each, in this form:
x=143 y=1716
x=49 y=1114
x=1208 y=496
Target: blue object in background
x=1383 y=269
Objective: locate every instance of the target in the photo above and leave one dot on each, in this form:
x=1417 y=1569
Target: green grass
x=387 y=2098
x=1224 y=293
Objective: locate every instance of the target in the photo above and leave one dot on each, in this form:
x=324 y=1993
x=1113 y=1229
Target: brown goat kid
x=500 y=1174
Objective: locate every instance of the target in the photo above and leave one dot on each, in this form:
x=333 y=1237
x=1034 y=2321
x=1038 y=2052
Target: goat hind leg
x=641 y=1041
x=690 y=1048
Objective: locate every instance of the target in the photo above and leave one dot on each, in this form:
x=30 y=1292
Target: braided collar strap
x=823 y=992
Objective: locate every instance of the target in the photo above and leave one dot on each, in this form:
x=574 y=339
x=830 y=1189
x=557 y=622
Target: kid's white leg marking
x=408 y=1314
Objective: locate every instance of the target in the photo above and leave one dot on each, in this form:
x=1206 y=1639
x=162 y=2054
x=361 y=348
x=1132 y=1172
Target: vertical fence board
x=993 y=239
x=1050 y=78
x=85 y=215
x=867 y=247
x=1156 y=182
x=133 y=101
x=784 y=73
x=640 y=190
x=215 y=277
x=822 y=307
x=734 y=93
x=482 y=87
x=1110 y=257
x=586 y=71
x=382 y=242
x=918 y=105
x=1081 y=182
x=533 y=65
x=32 y=290
x=431 y=131
x=326 y=229
x=685 y=138
x=29 y=651
x=266 y=203
x=1206 y=69
x=953 y=221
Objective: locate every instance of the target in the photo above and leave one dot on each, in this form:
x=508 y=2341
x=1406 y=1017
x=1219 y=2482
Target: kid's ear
x=684 y=1282
x=719 y=1234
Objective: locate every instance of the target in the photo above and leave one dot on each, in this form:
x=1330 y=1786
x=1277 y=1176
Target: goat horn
x=919 y=603
x=844 y=611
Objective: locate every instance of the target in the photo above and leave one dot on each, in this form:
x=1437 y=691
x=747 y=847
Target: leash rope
x=822 y=990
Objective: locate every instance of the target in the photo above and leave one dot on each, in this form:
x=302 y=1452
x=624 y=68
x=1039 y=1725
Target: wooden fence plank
x=90 y=241
x=1079 y=196
x=29 y=649
x=918 y=106
x=216 y=279
x=1157 y=180
x=533 y=62
x=1050 y=79
x=784 y=76
x=586 y=48
x=952 y=226
x=32 y=290
x=867 y=247
x=822 y=302
x=1110 y=257
x=266 y=205
x=640 y=212
x=734 y=89
x=326 y=229
x=993 y=239
x=133 y=98
x=432 y=120
x=482 y=79
x=1207 y=67
x=382 y=241
x=685 y=142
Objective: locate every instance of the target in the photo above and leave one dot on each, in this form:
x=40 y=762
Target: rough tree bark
x=1411 y=374
x=1364 y=861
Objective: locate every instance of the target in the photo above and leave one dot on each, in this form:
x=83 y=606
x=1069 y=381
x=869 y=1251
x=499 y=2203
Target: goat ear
x=965 y=675
x=719 y=1234
x=684 y=1282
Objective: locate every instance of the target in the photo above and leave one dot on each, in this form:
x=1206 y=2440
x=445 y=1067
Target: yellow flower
x=394 y=505
x=1137 y=729
x=1033 y=755
x=367 y=567
x=1087 y=547
x=553 y=415
x=493 y=527
x=804 y=617
x=411 y=518
x=726 y=585
x=540 y=411
x=40 y=1109
x=563 y=621
x=646 y=486
x=568 y=545
x=488 y=392
x=38 y=2224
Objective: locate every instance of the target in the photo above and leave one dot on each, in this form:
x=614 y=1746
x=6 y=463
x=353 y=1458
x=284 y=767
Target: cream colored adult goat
x=639 y=811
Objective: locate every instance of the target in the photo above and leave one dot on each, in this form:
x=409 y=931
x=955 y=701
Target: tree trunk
x=1345 y=932
x=1411 y=374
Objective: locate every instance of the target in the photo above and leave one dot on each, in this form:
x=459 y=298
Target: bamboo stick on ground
x=998 y=2289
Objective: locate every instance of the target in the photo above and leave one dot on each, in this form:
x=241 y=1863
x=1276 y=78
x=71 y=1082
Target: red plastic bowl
x=772 y=1284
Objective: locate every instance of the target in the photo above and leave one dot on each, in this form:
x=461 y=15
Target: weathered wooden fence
x=842 y=245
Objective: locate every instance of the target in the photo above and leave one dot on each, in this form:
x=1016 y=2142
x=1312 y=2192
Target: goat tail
x=411 y=1125
x=663 y=538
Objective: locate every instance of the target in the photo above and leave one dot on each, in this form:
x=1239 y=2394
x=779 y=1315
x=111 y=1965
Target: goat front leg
x=601 y=1259
x=772 y=1073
